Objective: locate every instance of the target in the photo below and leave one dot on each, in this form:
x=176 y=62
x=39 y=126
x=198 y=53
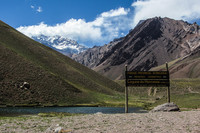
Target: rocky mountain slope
x=92 y=56
x=151 y=43
x=63 y=45
x=53 y=77
x=187 y=67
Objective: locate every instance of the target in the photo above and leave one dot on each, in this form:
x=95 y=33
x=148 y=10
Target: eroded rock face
x=151 y=43
x=92 y=56
x=167 y=107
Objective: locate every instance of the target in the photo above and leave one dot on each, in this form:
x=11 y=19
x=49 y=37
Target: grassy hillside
x=184 y=92
x=185 y=81
x=53 y=77
x=185 y=85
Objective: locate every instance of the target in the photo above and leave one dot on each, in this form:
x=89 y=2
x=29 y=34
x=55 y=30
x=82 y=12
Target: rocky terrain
x=165 y=122
x=186 y=67
x=151 y=43
x=92 y=56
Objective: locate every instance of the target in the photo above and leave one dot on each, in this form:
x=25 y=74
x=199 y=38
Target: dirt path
x=173 y=122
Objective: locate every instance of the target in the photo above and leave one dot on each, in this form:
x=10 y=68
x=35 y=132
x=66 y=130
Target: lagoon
x=82 y=110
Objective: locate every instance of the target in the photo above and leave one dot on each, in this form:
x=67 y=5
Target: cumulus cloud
x=112 y=13
x=177 y=9
x=75 y=29
x=104 y=28
x=116 y=22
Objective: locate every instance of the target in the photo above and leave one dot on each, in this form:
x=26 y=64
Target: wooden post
x=168 y=89
x=126 y=92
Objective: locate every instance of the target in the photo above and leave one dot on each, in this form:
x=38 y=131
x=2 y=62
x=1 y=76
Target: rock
x=57 y=125
x=167 y=107
x=99 y=113
x=25 y=85
x=58 y=130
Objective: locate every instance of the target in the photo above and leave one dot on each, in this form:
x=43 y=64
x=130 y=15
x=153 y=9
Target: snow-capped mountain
x=64 y=45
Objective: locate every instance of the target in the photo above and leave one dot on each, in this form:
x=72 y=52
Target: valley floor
x=165 y=122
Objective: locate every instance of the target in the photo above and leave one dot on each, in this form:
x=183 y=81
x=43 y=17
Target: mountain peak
x=61 y=44
x=151 y=43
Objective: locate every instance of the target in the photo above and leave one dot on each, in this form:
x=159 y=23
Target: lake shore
x=16 y=111
x=185 y=121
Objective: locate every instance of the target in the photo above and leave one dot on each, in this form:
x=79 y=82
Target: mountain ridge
x=151 y=43
x=92 y=56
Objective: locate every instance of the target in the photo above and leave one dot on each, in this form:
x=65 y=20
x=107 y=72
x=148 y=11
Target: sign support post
x=126 y=93
x=168 y=89
x=146 y=79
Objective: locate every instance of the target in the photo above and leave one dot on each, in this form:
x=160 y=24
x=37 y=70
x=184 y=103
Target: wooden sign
x=147 y=78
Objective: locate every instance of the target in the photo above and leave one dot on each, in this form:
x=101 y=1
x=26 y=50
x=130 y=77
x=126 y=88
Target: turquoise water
x=82 y=110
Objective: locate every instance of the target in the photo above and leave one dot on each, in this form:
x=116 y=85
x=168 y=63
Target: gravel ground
x=160 y=122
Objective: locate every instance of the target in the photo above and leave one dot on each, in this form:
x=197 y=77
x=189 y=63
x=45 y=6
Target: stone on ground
x=167 y=107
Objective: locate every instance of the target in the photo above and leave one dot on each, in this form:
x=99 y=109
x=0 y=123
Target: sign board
x=147 y=78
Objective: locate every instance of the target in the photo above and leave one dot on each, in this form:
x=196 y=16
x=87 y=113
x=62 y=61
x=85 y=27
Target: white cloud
x=112 y=13
x=116 y=22
x=177 y=9
x=39 y=9
x=32 y=7
x=103 y=29
x=73 y=29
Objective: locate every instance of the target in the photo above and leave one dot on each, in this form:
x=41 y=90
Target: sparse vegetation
x=184 y=92
x=55 y=80
x=55 y=114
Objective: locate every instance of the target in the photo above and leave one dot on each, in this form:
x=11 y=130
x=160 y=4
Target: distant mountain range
x=150 y=44
x=61 y=44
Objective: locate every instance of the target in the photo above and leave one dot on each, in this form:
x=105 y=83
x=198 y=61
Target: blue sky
x=19 y=12
x=91 y=22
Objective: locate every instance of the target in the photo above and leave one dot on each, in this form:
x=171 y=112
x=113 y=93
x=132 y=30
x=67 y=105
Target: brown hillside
x=187 y=67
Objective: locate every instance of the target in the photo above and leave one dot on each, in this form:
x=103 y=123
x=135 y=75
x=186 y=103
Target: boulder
x=167 y=107
x=58 y=129
x=25 y=85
